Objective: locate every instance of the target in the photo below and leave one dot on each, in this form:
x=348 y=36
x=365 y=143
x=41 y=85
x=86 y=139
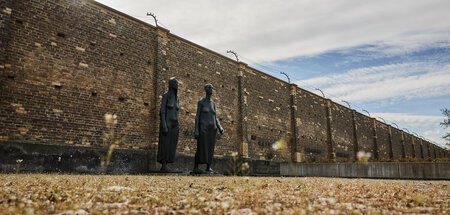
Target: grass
x=108 y=194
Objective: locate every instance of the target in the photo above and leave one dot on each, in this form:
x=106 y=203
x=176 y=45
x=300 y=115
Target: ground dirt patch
x=139 y=194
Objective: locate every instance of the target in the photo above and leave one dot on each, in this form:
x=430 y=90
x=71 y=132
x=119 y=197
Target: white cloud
x=271 y=30
x=394 y=81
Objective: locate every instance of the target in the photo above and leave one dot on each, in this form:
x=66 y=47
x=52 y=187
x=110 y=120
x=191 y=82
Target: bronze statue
x=206 y=125
x=168 y=129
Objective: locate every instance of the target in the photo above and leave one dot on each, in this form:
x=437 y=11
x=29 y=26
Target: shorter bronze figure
x=168 y=129
x=206 y=125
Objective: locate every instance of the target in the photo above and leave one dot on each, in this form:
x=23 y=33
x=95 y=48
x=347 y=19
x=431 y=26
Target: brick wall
x=5 y=23
x=423 y=147
x=268 y=118
x=417 y=147
x=409 y=149
x=382 y=141
x=342 y=132
x=65 y=63
x=364 y=133
x=71 y=63
x=312 y=126
x=397 y=142
x=426 y=152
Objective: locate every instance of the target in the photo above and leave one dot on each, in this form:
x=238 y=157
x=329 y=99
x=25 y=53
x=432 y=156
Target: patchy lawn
x=95 y=194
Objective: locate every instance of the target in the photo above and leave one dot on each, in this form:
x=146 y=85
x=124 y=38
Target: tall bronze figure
x=206 y=125
x=168 y=128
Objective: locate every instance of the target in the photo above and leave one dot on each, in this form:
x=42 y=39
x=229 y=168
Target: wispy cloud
x=394 y=81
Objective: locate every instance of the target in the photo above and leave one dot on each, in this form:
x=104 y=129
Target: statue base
x=202 y=172
x=166 y=172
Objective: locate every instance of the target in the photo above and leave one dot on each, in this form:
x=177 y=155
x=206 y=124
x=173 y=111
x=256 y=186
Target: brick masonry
x=383 y=143
x=342 y=132
x=397 y=144
x=312 y=126
x=65 y=63
x=365 y=134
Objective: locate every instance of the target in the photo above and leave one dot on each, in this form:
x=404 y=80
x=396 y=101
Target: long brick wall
x=65 y=63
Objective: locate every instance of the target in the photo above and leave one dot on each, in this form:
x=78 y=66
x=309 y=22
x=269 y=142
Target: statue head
x=173 y=84
x=208 y=89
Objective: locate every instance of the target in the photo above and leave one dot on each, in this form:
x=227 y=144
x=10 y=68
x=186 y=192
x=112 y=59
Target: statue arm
x=197 y=118
x=217 y=121
x=163 y=114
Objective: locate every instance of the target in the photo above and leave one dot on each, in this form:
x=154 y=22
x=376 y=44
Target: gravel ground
x=143 y=194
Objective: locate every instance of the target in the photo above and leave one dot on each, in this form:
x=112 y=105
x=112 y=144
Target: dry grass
x=97 y=194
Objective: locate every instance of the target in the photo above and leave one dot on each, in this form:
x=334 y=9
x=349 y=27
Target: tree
x=446 y=124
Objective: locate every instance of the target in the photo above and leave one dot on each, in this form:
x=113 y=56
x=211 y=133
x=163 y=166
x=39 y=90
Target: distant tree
x=446 y=124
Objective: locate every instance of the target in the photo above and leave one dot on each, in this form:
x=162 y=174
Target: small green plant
x=300 y=187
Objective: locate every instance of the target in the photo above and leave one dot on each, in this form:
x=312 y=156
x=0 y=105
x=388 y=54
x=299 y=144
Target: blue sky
x=405 y=88
x=391 y=58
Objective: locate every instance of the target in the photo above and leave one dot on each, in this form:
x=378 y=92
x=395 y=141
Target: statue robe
x=206 y=125
x=167 y=144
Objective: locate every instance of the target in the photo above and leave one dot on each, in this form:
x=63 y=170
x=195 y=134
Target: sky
x=389 y=58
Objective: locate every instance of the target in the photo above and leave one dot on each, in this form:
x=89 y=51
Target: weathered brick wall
x=342 y=132
x=408 y=146
x=414 y=146
x=5 y=23
x=312 y=126
x=65 y=63
x=382 y=141
x=365 y=133
x=426 y=153
x=69 y=63
x=417 y=147
x=435 y=151
x=438 y=152
x=424 y=149
x=397 y=148
x=431 y=150
x=268 y=118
